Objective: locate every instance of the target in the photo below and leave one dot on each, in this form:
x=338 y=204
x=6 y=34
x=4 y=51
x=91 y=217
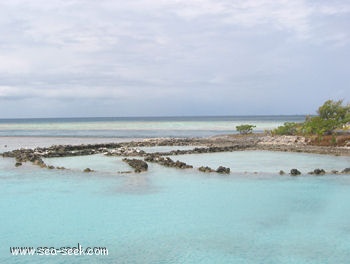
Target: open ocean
x=137 y=127
x=166 y=215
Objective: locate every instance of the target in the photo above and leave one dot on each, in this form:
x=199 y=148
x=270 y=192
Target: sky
x=81 y=58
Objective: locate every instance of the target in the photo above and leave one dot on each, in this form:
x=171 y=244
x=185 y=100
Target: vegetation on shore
x=330 y=127
x=245 y=129
x=332 y=118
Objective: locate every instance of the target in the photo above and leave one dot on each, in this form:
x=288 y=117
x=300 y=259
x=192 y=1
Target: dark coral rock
x=223 y=170
x=137 y=165
x=294 y=172
x=319 y=171
x=205 y=169
x=346 y=171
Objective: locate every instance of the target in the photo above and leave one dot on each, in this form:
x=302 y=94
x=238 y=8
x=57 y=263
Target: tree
x=331 y=115
x=245 y=129
x=334 y=110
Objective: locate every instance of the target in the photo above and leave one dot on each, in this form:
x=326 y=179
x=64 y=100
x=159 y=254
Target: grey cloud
x=219 y=53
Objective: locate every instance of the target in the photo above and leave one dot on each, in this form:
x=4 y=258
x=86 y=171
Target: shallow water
x=266 y=161
x=166 y=215
x=179 y=216
x=137 y=127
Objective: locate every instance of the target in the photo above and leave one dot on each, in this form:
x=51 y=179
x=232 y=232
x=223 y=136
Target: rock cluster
x=224 y=143
x=137 y=165
x=346 y=171
x=167 y=162
x=283 y=140
x=318 y=172
x=197 y=150
x=74 y=150
x=124 y=151
x=295 y=172
x=297 y=144
x=223 y=170
x=25 y=155
x=205 y=169
x=165 y=142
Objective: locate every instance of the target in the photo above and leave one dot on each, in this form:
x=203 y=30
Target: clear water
x=178 y=216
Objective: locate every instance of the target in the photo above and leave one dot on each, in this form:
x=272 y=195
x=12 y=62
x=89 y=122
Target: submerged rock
x=88 y=170
x=205 y=169
x=137 y=165
x=39 y=162
x=346 y=171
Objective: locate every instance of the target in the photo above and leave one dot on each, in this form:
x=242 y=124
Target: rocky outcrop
x=205 y=169
x=196 y=150
x=137 y=165
x=223 y=143
x=318 y=172
x=167 y=162
x=283 y=140
x=294 y=172
x=25 y=155
x=297 y=144
x=346 y=171
x=124 y=151
x=74 y=150
x=223 y=170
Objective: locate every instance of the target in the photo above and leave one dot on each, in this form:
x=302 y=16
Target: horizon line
x=151 y=116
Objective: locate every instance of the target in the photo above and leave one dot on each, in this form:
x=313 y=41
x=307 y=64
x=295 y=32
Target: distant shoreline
x=219 y=143
x=254 y=141
x=282 y=143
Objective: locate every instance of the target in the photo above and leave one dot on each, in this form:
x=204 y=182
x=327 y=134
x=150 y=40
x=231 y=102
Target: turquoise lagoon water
x=166 y=215
x=171 y=216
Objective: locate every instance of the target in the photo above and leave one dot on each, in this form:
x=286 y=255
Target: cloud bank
x=157 y=57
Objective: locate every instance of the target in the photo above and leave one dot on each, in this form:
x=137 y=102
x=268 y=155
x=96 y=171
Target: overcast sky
x=172 y=57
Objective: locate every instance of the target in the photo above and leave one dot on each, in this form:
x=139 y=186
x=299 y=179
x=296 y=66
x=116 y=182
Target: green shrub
x=288 y=128
x=331 y=115
x=245 y=129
